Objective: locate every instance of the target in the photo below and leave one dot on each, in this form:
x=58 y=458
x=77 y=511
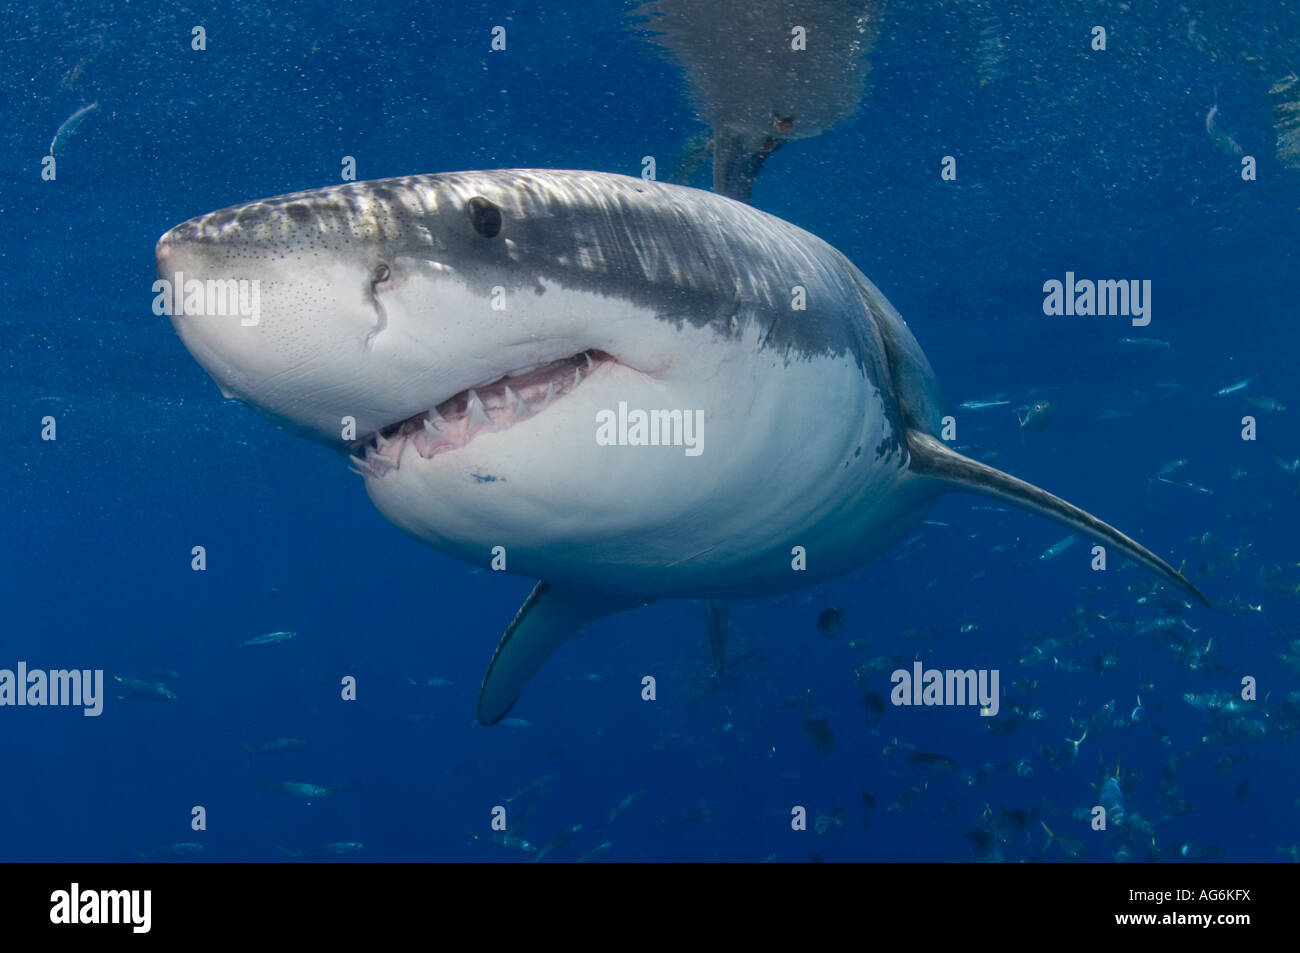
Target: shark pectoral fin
x=932 y=458
x=717 y=610
x=543 y=623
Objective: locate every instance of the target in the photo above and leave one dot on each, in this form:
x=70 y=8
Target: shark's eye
x=485 y=216
x=382 y=274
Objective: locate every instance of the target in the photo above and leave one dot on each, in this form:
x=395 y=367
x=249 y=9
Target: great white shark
x=459 y=334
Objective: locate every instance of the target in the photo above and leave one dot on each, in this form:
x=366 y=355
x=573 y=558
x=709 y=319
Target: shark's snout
x=283 y=334
x=382 y=312
x=163 y=251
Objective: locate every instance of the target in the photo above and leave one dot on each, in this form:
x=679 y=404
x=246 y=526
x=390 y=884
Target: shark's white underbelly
x=791 y=451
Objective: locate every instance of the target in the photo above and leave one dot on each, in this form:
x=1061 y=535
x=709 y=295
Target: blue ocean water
x=1103 y=164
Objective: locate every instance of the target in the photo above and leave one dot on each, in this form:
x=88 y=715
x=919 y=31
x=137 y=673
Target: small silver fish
x=1147 y=342
x=1267 y=404
x=1051 y=552
x=1036 y=417
x=533 y=788
x=595 y=852
x=275 y=746
x=270 y=638
x=1221 y=139
x=183 y=849
x=558 y=841
x=508 y=841
x=622 y=807
x=984 y=404
x=1234 y=388
x=70 y=125
x=140 y=688
x=334 y=849
x=1194 y=487
x=296 y=788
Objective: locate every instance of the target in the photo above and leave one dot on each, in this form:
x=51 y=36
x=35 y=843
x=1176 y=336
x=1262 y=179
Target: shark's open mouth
x=486 y=408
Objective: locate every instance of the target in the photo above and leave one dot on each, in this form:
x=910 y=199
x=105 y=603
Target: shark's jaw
x=490 y=407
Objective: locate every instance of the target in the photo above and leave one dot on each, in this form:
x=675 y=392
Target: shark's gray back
x=688 y=255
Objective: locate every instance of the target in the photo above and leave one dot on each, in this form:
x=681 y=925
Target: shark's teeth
x=484 y=408
x=374 y=456
x=515 y=405
x=477 y=412
x=360 y=467
x=379 y=463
